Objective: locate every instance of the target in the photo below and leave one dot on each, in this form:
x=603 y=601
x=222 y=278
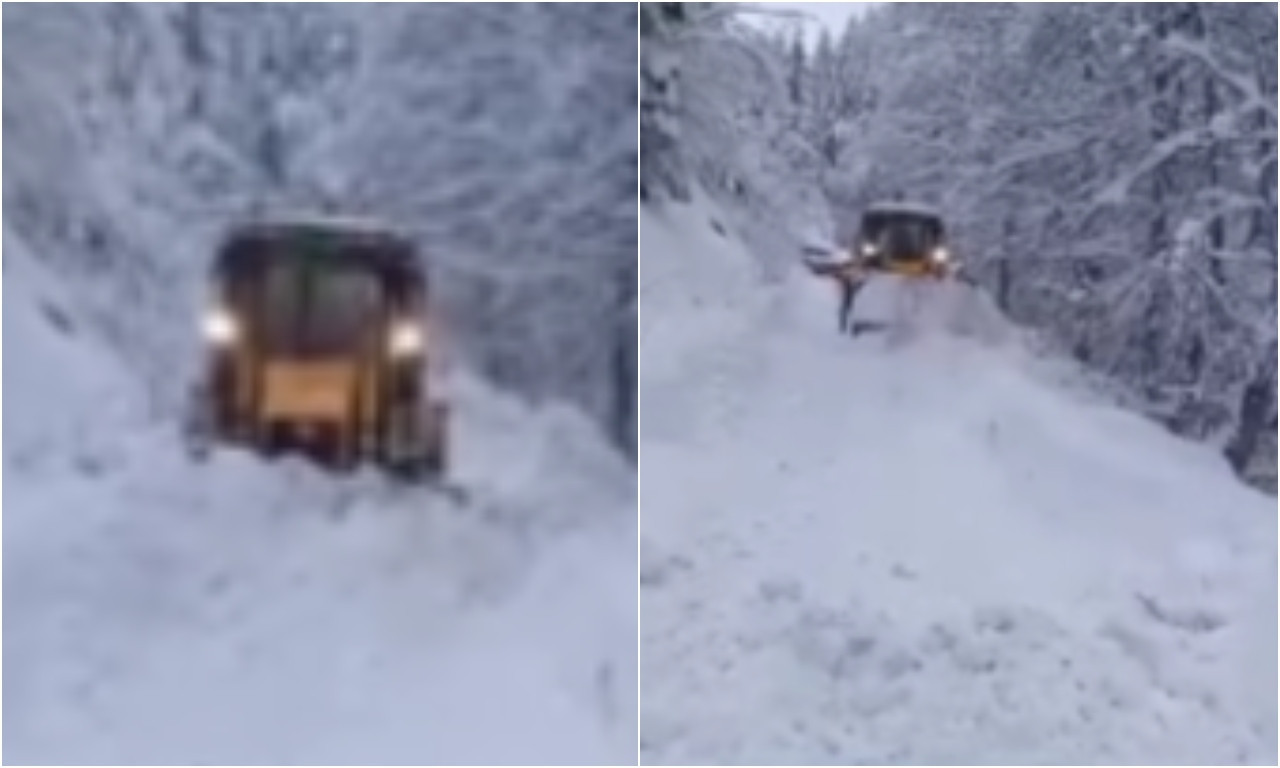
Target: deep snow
x=158 y=611
x=936 y=549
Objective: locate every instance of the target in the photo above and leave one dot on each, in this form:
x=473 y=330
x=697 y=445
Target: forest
x=1108 y=171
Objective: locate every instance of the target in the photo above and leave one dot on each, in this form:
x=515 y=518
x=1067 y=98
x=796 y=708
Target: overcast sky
x=832 y=16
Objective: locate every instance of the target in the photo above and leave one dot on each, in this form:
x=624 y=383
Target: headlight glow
x=868 y=249
x=940 y=255
x=221 y=327
x=406 y=340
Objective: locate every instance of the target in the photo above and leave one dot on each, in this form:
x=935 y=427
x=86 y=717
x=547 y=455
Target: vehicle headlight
x=221 y=326
x=868 y=249
x=940 y=255
x=406 y=340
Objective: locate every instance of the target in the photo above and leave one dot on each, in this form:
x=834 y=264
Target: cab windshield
x=901 y=236
x=318 y=309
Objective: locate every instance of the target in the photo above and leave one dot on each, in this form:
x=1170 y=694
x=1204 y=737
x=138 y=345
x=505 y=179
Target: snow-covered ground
x=158 y=611
x=941 y=550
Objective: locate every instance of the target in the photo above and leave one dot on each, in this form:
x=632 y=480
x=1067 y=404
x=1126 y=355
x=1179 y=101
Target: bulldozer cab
x=904 y=239
x=309 y=292
x=317 y=339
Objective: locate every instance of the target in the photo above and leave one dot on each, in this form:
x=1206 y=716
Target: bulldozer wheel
x=436 y=456
x=198 y=448
x=197 y=432
x=427 y=462
x=414 y=471
x=434 y=462
x=427 y=467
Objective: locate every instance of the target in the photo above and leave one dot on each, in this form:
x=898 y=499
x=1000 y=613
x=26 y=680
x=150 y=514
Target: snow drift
x=158 y=611
x=943 y=550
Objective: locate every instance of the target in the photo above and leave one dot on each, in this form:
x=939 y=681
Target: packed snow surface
x=162 y=611
x=932 y=547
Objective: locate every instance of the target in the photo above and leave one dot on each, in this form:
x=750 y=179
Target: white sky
x=818 y=15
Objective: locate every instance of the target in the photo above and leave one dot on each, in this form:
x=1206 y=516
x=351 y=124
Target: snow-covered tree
x=728 y=133
x=502 y=136
x=1108 y=172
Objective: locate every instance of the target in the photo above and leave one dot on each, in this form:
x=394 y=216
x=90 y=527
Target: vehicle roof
x=380 y=246
x=922 y=210
x=294 y=217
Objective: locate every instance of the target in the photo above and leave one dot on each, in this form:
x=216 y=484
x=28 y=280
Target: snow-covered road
x=939 y=552
x=156 y=611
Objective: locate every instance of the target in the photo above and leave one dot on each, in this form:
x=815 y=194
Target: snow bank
x=242 y=612
x=933 y=551
x=59 y=380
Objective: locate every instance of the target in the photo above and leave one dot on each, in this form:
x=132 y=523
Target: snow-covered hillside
x=158 y=611
x=942 y=551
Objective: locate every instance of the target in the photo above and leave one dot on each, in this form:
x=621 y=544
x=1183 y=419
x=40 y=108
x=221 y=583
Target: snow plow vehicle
x=899 y=239
x=317 y=340
x=893 y=238
x=904 y=240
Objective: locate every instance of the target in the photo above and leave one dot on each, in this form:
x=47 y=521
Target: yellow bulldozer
x=319 y=339
x=893 y=239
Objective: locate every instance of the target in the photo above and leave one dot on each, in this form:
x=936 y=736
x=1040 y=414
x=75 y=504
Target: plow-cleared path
x=933 y=549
